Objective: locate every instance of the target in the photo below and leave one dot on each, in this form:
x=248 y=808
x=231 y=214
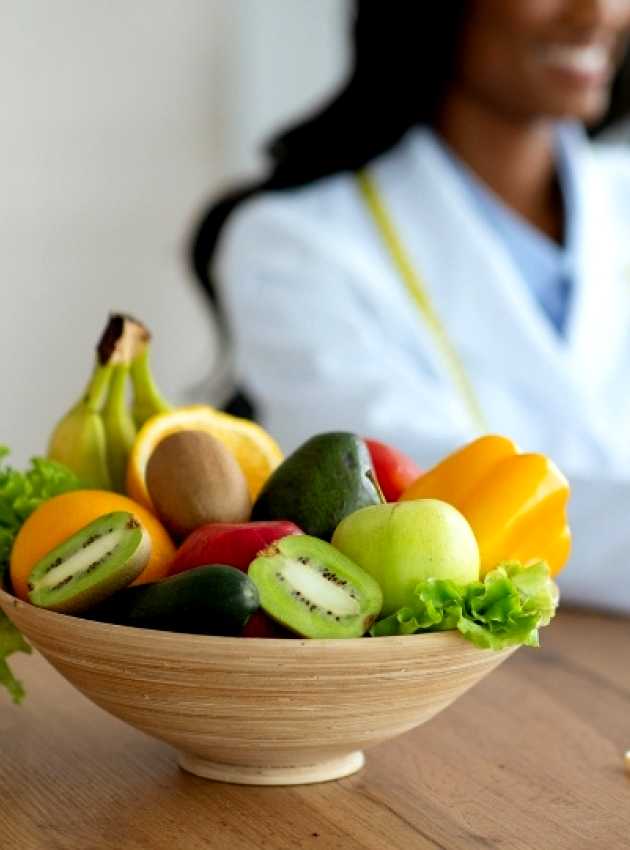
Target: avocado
x=209 y=600
x=324 y=480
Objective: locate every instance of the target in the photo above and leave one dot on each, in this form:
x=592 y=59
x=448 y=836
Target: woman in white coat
x=443 y=251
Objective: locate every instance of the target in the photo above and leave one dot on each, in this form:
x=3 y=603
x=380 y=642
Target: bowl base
x=239 y=774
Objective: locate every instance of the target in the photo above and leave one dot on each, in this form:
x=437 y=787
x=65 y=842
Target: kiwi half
x=311 y=588
x=105 y=556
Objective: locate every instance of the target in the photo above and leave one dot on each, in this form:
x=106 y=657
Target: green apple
x=403 y=543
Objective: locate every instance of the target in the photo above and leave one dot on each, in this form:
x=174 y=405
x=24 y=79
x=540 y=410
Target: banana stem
x=98 y=388
x=117 y=400
x=121 y=339
x=147 y=398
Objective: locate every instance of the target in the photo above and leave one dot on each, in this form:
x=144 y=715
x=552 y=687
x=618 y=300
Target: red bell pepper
x=394 y=470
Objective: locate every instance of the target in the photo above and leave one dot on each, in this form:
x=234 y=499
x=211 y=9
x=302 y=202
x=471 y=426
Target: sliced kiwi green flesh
x=311 y=588
x=105 y=556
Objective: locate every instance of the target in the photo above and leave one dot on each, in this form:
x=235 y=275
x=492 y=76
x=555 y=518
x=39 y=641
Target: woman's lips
x=588 y=64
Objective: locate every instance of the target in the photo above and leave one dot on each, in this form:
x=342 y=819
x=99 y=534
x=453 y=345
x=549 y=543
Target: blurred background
x=121 y=120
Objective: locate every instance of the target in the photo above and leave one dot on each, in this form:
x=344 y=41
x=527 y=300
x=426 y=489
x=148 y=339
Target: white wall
x=119 y=121
x=291 y=53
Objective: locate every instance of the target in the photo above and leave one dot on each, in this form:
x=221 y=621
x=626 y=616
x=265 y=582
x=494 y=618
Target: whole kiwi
x=194 y=479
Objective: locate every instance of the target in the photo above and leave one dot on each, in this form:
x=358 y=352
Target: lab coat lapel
x=472 y=280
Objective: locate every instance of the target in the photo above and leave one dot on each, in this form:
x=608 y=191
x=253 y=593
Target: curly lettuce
x=506 y=609
x=20 y=494
x=10 y=641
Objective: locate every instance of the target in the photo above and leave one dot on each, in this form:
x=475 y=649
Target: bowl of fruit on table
x=269 y=617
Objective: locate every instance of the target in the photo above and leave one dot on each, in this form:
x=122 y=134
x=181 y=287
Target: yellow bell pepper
x=515 y=503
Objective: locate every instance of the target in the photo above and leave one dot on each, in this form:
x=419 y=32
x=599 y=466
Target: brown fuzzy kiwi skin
x=193 y=479
x=92 y=596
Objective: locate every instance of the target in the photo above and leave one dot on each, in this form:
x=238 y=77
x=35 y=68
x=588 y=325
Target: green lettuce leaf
x=20 y=494
x=507 y=608
x=10 y=641
x=437 y=606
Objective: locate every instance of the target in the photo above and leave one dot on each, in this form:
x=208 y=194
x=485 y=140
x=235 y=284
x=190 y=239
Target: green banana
x=147 y=398
x=119 y=426
x=95 y=437
x=79 y=440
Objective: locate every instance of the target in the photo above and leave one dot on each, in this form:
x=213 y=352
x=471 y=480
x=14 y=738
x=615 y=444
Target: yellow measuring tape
x=420 y=296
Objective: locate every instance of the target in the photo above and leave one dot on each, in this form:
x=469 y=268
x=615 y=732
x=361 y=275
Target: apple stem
x=372 y=477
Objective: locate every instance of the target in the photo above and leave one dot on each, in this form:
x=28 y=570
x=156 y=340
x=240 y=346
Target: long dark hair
x=392 y=44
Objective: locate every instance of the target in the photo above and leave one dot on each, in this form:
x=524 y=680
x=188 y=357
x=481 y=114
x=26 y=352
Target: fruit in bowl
x=404 y=543
x=363 y=618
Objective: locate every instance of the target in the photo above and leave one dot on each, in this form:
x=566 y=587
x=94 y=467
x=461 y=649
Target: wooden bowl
x=259 y=711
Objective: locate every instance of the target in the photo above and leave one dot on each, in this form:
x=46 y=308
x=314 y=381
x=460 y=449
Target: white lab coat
x=327 y=337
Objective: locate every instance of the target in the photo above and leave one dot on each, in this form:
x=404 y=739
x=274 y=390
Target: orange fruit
x=60 y=517
x=257 y=453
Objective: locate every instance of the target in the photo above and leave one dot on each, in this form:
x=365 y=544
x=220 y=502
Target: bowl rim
x=133 y=632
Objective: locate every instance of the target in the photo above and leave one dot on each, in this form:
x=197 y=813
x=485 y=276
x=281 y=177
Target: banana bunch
x=96 y=435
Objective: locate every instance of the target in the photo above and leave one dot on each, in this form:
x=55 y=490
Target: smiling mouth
x=591 y=61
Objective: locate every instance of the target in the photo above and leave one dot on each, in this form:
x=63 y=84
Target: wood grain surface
x=530 y=759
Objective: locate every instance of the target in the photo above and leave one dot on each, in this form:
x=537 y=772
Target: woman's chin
x=571 y=96
x=585 y=109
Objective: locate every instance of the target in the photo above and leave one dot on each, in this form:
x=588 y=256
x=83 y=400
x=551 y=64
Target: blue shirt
x=547 y=268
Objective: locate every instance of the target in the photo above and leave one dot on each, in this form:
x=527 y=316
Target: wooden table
x=531 y=759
